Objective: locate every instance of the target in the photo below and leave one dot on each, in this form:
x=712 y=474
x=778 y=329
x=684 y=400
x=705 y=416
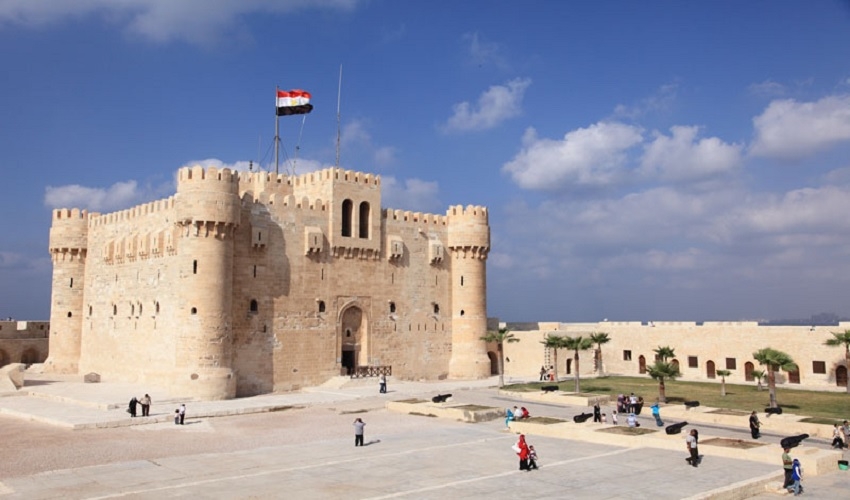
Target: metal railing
x=371 y=371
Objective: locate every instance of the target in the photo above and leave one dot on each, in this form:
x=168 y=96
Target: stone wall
x=23 y=341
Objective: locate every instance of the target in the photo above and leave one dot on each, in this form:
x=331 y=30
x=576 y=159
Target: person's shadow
x=374 y=441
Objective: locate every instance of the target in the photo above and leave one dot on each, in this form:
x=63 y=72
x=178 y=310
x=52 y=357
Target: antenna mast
x=338 y=98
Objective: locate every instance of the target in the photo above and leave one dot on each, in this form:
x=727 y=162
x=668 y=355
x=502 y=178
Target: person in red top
x=522 y=446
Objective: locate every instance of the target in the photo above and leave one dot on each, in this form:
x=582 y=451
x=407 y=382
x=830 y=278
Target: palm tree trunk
x=501 y=366
x=556 y=365
x=722 y=386
x=771 y=386
x=578 y=382
x=662 y=394
x=847 y=362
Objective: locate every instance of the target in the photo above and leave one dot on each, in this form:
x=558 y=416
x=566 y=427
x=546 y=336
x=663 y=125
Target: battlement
x=142 y=210
x=414 y=217
x=471 y=211
x=69 y=231
x=209 y=180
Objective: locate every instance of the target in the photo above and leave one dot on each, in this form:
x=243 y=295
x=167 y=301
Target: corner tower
x=68 y=248
x=208 y=211
x=469 y=244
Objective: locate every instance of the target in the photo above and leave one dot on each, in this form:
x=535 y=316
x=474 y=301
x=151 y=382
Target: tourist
x=620 y=402
x=656 y=412
x=532 y=457
x=614 y=417
x=845 y=429
x=509 y=417
x=177 y=416
x=691 y=442
x=796 y=477
x=383 y=384
x=523 y=412
x=633 y=403
x=132 y=409
x=551 y=373
x=597 y=412
x=146 y=405
x=521 y=449
x=754 y=425
x=631 y=420
x=604 y=418
x=182 y=411
x=358 y=431
x=787 y=466
x=837 y=440
x=542 y=373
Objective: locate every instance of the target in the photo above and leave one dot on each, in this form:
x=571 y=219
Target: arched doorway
x=709 y=370
x=354 y=350
x=675 y=364
x=29 y=356
x=748 y=371
x=569 y=366
x=841 y=376
x=494 y=362
x=641 y=364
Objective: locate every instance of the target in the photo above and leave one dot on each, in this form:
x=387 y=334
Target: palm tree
x=554 y=342
x=599 y=338
x=758 y=375
x=723 y=374
x=664 y=353
x=661 y=371
x=839 y=339
x=774 y=360
x=577 y=344
x=500 y=337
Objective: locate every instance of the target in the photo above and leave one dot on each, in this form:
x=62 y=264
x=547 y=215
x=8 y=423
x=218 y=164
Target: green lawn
x=826 y=405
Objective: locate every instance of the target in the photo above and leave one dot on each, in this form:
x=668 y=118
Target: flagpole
x=338 y=97
x=276 y=133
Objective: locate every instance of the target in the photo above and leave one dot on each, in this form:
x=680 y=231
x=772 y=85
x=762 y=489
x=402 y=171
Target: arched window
x=114 y=309
x=436 y=308
x=194 y=267
x=254 y=306
x=347 y=214
x=321 y=306
x=194 y=310
x=392 y=307
x=364 y=219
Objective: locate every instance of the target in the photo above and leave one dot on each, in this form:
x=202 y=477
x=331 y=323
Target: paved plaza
x=302 y=444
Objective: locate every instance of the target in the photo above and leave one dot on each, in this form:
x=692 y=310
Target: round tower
x=68 y=247
x=468 y=243
x=208 y=210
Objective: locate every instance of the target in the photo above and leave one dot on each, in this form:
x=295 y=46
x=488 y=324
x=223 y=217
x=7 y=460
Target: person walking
x=837 y=441
x=755 y=424
x=845 y=428
x=146 y=405
x=656 y=412
x=542 y=373
x=383 y=384
x=691 y=443
x=358 y=431
x=182 y=410
x=521 y=449
x=532 y=457
x=132 y=408
x=787 y=467
x=796 y=477
x=597 y=412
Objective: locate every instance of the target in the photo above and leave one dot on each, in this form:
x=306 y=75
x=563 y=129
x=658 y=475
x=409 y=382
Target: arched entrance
x=641 y=364
x=569 y=366
x=675 y=364
x=748 y=371
x=494 y=362
x=709 y=370
x=354 y=350
x=841 y=376
x=29 y=356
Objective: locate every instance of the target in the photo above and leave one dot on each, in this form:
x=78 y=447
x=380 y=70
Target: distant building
x=23 y=341
x=248 y=283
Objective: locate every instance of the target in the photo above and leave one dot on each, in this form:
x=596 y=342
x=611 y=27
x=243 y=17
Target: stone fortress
x=23 y=341
x=249 y=283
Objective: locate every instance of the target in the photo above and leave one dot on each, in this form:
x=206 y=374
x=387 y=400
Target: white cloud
x=195 y=21
x=792 y=130
x=483 y=53
x=497 y=104
x=356 y=140
x=681 y=157
x=116 y=197
x=592 y=156
x=661 y=101
x=767 y=88
x=415 y=195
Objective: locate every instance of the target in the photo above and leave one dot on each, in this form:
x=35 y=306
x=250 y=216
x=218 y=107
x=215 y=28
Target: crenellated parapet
x=69 y=234
x=469 y=231
x=207 y=200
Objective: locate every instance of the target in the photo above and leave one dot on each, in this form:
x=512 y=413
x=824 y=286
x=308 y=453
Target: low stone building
x=701 y=349
x=23 y=341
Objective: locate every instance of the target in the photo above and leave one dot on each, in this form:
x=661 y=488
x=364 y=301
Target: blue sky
x=658 y=160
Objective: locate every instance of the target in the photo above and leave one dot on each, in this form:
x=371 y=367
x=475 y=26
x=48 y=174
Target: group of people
x=629 y=404
x=793 y=473
x=144 y=402
x=547 y=374
x=515 y=414
x=526 y=453
x=841 y=435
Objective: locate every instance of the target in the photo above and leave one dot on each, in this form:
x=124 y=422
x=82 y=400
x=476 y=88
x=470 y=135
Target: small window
x=194 y=267
x=627 y=355
x=392 y=307
x=794 y=377
x=114 y=310
x=254 y=306
x=69 y=314
x=72 y=282
x=436 y=308
x=693 y=362
x=157 y=308
x=731 y=364
x=818 y=367
x=321 y=306
x=194 y=311
x=90 y=309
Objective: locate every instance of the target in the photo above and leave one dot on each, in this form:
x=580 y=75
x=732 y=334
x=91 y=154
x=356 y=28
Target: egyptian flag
x=293 y=102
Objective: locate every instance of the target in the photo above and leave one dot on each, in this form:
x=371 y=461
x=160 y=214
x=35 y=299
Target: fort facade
x=23 y=341
x=701 y=349
x=247 y=283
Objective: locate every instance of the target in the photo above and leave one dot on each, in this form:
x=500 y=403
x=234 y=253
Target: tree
x=664 y=353
x=723 y=374
x=661 y=371
x=599 y=338
x=500 y=337
x=839 y=339
x=758 y=375
x=554 y=342
x=577 y=344
x=773 y=360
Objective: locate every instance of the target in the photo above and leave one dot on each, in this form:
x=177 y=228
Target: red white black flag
x=293 y=102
